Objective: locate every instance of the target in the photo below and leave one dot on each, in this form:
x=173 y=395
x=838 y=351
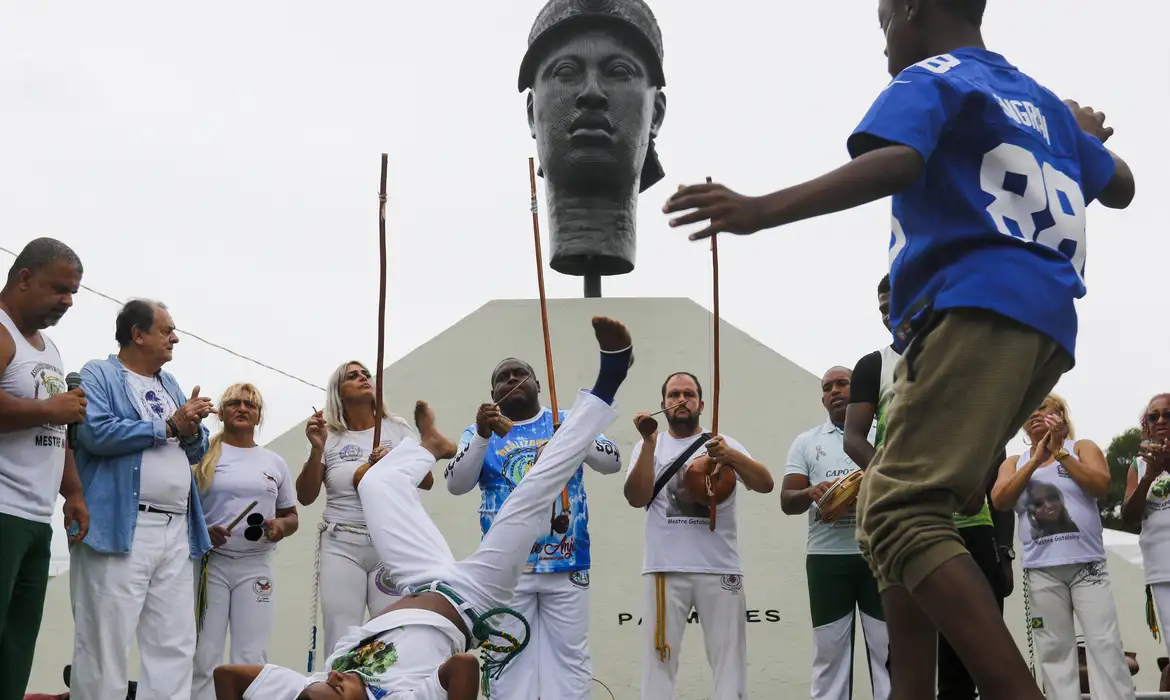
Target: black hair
x=672 y=375
x=970 y=11
x=40 y=253
x=137 y=313
x=884 y=285
x=492 y=380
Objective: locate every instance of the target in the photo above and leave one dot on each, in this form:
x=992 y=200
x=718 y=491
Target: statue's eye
x=565 y=69
x=621 y=69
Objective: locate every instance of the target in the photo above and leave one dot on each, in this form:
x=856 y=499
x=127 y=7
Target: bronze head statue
x=594 y=72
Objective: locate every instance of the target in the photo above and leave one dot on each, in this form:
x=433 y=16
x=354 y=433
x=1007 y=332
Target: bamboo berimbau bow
x=715 y=368
x=560 y=522
x=381 y=306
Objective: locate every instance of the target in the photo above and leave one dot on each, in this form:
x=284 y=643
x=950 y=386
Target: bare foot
x=430 y=438
x=612 y=336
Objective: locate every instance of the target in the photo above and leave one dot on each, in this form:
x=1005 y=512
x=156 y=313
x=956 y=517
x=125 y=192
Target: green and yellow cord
x=1151 y=613
x=201 y=595
x=493 y=666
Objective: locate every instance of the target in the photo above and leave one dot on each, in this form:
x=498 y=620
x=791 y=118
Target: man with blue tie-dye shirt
x=554 y=598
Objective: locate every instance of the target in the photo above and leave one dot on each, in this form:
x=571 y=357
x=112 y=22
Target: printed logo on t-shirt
x=351 y=453
x=270 y=484
x=731 y=582
x=47 y=383
x=370 y=660
x=262 y=587
x=580 y=579
x=1158 y=497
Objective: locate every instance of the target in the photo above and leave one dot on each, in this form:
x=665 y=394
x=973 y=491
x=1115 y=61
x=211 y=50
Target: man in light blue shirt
x=134 y=571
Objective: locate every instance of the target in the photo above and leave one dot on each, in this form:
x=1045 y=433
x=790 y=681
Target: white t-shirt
x=677 y=533
x=1059 y=523
x=32 y=460
x=243 y=475
x=165 y=480
x=1155 y=537
x=402 y=653
x=819 y=454
x=344 y=453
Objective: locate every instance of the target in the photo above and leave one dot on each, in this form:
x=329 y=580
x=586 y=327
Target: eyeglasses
x=1154 y=416
x=256 y=528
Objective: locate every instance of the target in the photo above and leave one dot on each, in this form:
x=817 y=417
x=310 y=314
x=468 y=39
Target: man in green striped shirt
x=988 y=534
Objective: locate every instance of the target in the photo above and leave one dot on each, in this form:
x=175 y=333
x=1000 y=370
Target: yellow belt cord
x=1151 y=613
x=660 y=644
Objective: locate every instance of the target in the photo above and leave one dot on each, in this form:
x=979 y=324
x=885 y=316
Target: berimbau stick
x=381 y=306
x=548 y=359
x=242 y=515
x=715 y=361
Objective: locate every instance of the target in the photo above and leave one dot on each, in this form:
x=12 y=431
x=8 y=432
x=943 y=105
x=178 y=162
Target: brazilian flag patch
x=1037 y=623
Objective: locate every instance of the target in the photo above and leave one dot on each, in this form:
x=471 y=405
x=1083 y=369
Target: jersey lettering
x=1025 y=114
x=1033 y=189
x=939 y=64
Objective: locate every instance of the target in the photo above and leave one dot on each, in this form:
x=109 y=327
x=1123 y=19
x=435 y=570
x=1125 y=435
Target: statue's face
x=593 y=110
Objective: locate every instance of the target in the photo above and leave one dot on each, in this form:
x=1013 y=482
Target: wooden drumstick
x=241 y=516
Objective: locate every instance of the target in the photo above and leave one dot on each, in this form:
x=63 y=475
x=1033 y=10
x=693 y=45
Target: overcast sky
x=223 y=157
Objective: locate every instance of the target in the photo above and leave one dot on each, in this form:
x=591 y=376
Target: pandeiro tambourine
x=841 y=496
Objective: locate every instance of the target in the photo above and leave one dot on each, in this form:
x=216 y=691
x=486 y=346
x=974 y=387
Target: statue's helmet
x=559 y=15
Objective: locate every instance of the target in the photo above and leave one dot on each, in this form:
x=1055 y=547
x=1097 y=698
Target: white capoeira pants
x=1056 y=594
x=415 y=552
x=353 y=584
x=721 y=605
x=556 y=663
x=240 y=594
x=151 y=592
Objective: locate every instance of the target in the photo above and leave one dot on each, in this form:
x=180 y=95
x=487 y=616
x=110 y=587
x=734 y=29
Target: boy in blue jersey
x=554 y=596
x=990 y=175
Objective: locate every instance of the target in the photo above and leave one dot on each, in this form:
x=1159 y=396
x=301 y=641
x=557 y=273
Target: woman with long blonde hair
x=350 y=581
x=238 y=478
x=1054 y=488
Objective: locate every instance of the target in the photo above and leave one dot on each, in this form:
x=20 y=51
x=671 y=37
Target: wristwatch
x=1060 y=454
x=1008 y=551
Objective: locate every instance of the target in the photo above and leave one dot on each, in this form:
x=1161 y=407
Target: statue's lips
x=591 y=134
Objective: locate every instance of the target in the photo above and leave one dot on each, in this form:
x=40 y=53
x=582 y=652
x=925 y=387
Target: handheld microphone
x=72 y=381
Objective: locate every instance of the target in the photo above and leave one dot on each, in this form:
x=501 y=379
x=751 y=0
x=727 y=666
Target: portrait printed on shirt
x=1048 y=512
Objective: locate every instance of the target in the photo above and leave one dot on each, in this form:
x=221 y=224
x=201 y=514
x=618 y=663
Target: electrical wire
x=201 y=339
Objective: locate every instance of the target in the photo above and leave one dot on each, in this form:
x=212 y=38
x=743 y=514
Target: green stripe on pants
x=838 y=583
x=24 y=574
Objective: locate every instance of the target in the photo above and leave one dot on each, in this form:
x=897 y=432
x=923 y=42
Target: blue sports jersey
x=997 y=219
x=507 y=460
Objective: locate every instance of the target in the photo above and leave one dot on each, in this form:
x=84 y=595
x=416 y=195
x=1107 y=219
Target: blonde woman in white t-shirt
x=1147 y=502
x=350 y=580
x=1054 y=489
x=236 y=587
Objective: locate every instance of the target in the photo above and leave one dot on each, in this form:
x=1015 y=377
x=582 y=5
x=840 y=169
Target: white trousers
x=721 y=605
x=556 y=664
x=1161 y=593
x=416 y=553
x=150 y=591
x=1057 y=594
x=240 y=596
x=353 y=584
x=832 y=676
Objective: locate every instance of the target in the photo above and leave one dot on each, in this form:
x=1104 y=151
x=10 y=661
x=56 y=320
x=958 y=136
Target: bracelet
x=1061 y=454
x=173 y=426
